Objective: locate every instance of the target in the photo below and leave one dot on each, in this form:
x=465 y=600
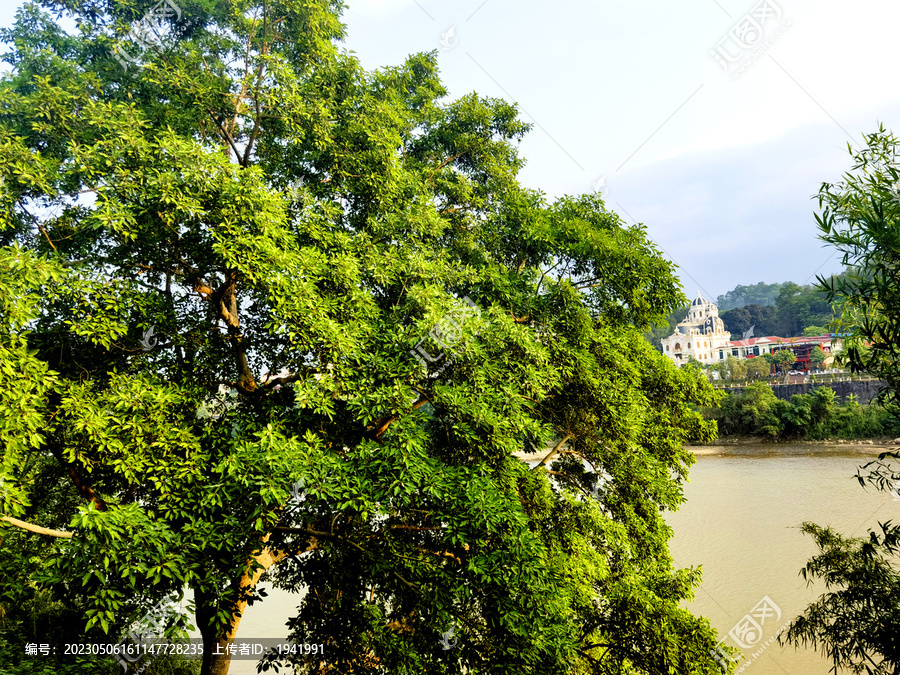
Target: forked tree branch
x=555 y=451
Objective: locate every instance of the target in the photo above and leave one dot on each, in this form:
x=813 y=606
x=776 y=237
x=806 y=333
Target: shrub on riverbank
x=813 y=416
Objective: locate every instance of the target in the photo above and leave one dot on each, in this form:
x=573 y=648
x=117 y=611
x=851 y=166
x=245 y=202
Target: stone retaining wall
x=865 y=390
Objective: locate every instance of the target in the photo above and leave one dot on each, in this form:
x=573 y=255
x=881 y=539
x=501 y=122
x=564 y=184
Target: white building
x=701 y=335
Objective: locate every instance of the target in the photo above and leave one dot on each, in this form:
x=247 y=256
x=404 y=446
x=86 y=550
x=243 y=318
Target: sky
x=712 y=122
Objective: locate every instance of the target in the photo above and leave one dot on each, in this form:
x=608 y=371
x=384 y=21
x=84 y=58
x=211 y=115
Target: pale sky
x=721 y=166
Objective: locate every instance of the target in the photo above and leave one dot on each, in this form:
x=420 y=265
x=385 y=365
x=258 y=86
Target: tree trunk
x=216 y=659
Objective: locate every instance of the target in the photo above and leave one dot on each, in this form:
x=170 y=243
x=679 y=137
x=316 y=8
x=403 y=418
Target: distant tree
x=739 y=319
x=785 y=358
x=817 y=356
x=757 y=368
x=737 y=369
x=757 y=411
x=800 y=306
x=760 y=294
x=814 y=331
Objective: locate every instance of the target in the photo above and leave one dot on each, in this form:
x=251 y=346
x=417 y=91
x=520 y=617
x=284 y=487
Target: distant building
x=702 y=335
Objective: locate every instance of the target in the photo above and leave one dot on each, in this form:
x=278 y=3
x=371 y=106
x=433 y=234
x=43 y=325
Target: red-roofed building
x=801 y=346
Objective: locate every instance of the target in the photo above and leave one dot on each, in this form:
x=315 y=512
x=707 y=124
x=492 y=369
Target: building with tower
x=701 y=335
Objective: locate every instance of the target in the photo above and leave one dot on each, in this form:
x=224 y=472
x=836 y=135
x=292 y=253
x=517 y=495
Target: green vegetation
x=797 y=310
x=861 y=218
x=667 y=327
x=857 y=619
x=739 y=319
x=855 y=622
x=247 y=266
x=813 y=416
x=817 y=357
x=761 y=294
x=784 y=359
x=740 y=370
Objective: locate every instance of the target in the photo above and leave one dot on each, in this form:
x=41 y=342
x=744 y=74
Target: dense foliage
x=665 y=328
x=795 y=309
x=740 y=319
x=813 y=416
x=761 y=294
x=856 y=622
x=264 y=312
x=861 y=218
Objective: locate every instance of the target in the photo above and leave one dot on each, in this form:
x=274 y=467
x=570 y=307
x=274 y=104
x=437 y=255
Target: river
x=741 y=523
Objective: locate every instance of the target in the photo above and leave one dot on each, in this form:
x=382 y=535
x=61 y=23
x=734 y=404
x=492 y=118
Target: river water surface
x=741 y=523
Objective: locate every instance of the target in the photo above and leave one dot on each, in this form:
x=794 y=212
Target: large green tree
x=237 y=268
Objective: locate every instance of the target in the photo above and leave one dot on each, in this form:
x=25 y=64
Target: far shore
x=756 y=447
x=833 y=446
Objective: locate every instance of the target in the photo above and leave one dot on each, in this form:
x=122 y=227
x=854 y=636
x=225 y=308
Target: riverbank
x=752 y=446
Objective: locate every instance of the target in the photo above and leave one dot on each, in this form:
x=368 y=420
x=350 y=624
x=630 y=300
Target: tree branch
x=86 y=490
x=555 y=451
x=381 y=425
x=224 y=133
x=37 y=529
